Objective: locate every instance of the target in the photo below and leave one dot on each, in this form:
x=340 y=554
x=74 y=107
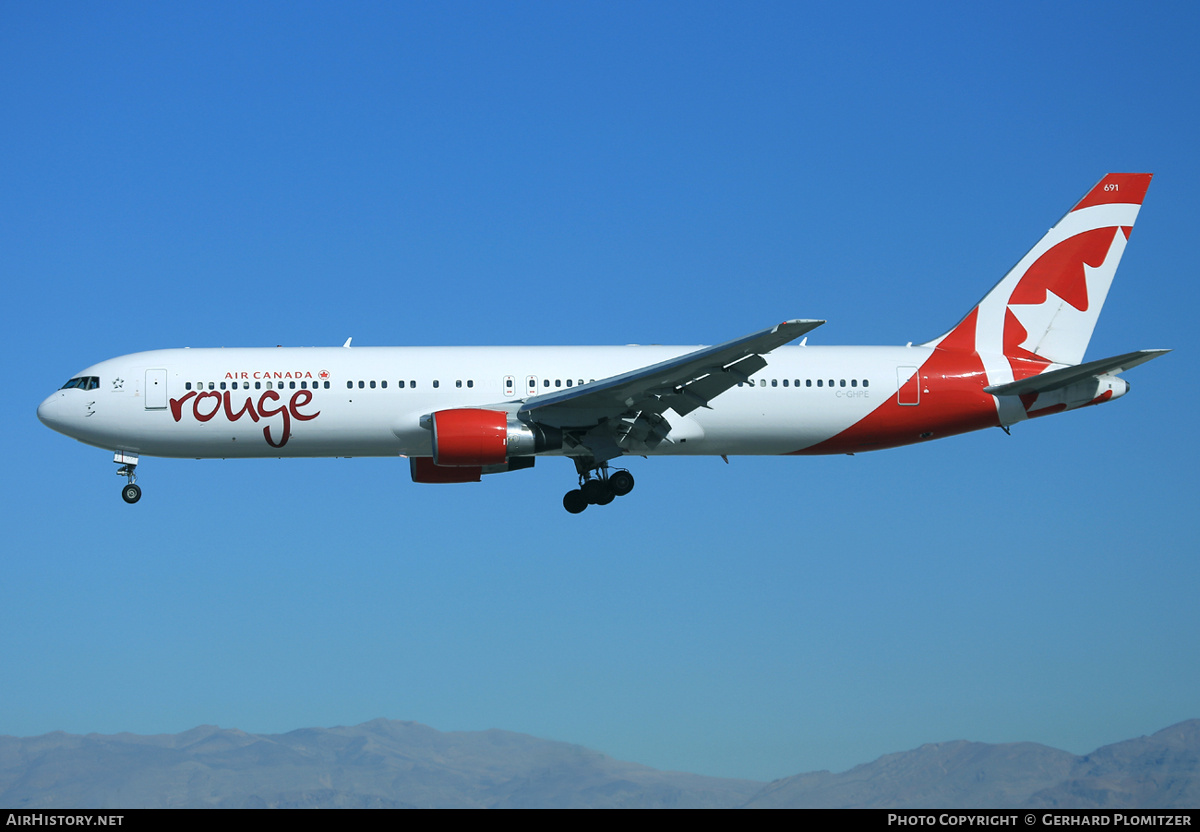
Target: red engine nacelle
x=470 y=438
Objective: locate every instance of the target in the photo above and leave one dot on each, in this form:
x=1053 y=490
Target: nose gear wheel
x=130 y=493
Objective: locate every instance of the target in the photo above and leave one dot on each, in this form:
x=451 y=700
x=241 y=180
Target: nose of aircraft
x=52 y=412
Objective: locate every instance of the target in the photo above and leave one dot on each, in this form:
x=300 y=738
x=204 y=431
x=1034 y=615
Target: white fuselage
x=369 y=401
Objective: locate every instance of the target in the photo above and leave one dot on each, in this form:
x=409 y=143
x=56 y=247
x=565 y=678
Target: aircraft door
x=908 y=384
x=156 y=389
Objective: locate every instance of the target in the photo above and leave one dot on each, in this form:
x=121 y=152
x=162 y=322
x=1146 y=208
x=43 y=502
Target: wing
x=628 y=412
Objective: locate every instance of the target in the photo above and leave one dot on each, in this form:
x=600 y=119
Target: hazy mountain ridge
x=1161 y=771
x=391 y=764
x=382 y=763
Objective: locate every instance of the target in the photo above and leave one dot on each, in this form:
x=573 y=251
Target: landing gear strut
x=597 y=488
x=130 y=493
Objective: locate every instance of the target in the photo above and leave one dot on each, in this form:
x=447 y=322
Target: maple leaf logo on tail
x=1043 y=312
x=1053 y=311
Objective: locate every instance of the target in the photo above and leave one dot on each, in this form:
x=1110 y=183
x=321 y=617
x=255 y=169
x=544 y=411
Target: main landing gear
x=130 y=493
x=598 y=488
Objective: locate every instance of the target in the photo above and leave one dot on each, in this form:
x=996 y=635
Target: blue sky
x=590 y=173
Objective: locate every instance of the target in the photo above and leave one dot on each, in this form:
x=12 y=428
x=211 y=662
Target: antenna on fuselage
x=348 y=340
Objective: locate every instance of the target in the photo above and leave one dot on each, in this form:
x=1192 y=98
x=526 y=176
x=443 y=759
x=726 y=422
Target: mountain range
x=391 y=764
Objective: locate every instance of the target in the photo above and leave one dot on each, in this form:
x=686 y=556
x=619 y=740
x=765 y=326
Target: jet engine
x=476 y=438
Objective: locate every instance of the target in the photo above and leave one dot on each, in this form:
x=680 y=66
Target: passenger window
x=372 y=384
x=470 y=383
x=843 y=383
x=820 y=383
x=436 y=383
x=853 y=382
x=866 y=383
x=349 y=385
x=383 y=384
x=458 y=383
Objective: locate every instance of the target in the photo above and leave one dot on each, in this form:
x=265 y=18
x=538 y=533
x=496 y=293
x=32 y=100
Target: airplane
x=459 y=413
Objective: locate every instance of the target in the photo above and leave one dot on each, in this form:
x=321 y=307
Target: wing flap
x=699 y=393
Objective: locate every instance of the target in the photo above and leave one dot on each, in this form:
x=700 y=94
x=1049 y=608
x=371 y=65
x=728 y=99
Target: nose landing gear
x=130 y=493
x=598 y=488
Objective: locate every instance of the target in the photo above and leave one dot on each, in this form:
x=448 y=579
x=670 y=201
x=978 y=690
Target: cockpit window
x=83 y=383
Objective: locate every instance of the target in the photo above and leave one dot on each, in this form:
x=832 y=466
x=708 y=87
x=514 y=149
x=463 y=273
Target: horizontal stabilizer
x=1054 y=379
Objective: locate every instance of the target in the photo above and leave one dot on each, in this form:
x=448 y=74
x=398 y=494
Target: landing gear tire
x=595 y=491
x=621 y=483
x=574 y=501
x=131 y=493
